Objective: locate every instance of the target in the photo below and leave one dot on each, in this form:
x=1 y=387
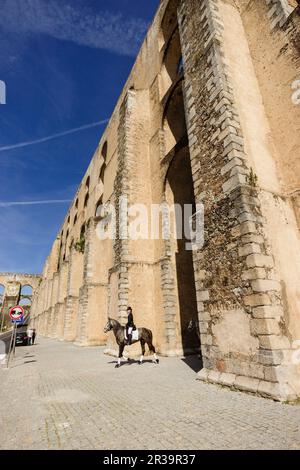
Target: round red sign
x=16 y=313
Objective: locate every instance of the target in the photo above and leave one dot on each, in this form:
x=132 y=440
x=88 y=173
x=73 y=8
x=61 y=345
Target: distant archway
x=26 y=290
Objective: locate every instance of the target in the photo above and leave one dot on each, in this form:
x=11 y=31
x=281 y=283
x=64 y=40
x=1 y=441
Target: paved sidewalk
x=60 y=396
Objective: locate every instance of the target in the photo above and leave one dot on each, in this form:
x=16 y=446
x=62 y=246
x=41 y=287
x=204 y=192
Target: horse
x=144 y=336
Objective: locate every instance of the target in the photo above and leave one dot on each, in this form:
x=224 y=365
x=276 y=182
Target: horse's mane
x=115 y=322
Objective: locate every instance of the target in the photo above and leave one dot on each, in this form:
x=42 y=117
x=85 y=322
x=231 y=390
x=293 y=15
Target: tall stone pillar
x=133 y=264
x=62 y=294
x=53 y=310
x=240 y=302
x=92 y=312
x=74 y=282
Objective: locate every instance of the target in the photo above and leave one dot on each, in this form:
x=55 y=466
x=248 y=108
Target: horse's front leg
x=121 y=349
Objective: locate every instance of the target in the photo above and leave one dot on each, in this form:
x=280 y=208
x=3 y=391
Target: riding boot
x=129 y=339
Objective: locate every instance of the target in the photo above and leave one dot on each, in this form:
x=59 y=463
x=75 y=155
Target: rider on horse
x=130 y=326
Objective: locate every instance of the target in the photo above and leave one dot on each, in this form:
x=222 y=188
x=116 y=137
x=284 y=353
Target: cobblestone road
x=59 y=396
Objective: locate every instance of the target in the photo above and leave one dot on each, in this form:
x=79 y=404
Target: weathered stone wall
x=243 y=317
x=226 y=108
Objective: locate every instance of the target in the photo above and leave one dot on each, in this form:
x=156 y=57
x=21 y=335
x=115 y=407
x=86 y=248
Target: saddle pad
x=135 y=335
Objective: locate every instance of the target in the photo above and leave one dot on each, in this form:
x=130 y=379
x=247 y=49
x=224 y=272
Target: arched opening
x=179 y=190
x=75 y=219
x=26 y=290
x=172 y=67
x=174 y=123
x=102 y=173
x=170 y=21
x=87 y=183
x=104 y=151
x=99 y=207
x=76 y=204
x=59 y=255
x=80 y=244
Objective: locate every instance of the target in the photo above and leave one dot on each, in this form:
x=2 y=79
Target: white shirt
x=30 y=333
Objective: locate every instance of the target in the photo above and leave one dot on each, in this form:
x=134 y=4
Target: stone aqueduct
x=16 y=289
x=205 y=116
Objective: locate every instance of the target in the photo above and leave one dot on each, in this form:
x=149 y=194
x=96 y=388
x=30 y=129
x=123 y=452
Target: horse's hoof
x=140 y=363
x=117 y=366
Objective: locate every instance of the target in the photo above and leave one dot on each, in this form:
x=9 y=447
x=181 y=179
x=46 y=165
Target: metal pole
x=10 y=345
x=15 y=339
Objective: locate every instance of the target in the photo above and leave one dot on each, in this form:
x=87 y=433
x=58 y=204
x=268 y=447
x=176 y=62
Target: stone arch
x=82 y=230
x=102 y=173
x=174 y=122
x=170 y=21
x=26 y=290
x=98 y=207
x=179 y=191
x=17 y=287
x=104 y=150
x=172 y=65
x=178 y=188
x=86 y=200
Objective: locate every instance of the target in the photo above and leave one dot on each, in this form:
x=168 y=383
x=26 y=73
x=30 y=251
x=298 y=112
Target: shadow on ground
x=194 y=362
x=131 y=362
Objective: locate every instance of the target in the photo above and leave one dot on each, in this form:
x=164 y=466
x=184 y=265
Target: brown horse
x=144 y=336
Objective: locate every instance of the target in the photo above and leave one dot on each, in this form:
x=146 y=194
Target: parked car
x=21 y=336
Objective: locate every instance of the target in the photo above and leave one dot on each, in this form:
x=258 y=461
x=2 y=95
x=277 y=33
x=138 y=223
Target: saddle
x=134 y=334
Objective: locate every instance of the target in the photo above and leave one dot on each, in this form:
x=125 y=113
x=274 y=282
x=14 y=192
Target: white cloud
x=52 y=136
x=34 y=203
x=81 y=25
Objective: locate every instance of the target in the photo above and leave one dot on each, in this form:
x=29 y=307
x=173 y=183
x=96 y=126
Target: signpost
x=17 y=316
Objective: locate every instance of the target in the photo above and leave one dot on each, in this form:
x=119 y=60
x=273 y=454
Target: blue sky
x=64 y=63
